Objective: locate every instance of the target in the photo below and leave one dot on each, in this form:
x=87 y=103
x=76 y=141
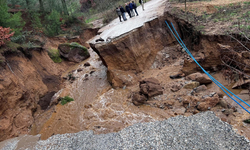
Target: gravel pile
x=201 y=131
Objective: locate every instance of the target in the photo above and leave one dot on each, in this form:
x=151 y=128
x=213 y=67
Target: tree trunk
x=65 y=9
x=28 y=4
x=41 y=6
x=186 y=8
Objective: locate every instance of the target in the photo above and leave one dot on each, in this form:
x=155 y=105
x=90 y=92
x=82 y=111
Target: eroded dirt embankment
x=23 y=82
x=27 y=84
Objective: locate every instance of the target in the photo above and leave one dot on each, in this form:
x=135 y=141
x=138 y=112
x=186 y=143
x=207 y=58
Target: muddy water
x=96 y=105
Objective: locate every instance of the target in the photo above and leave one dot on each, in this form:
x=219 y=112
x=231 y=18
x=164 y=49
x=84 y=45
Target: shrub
x=109 y=16
x=66 y=99
x=53 y=24
x=54 y=55
x=5 y=35
x=14 y=21
x=36 y=21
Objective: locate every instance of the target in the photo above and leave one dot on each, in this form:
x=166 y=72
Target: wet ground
x=100 y=108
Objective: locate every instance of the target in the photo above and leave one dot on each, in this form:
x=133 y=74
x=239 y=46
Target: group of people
x=130 y=8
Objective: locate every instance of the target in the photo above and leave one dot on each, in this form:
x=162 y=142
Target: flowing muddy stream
x=100 y=108
x=96 y=105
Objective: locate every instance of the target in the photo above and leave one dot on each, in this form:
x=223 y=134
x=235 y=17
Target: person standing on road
x=142 y=4
x=123 y=13
x=134 y=7
x=128 y=10
x=131 y=6
x=119 y=13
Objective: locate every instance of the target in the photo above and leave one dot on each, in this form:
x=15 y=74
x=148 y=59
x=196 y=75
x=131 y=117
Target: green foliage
x=14 y=21
x=247 y=121
x=36 y=21
x=69 y=20
x=66 y=99
x=53 y=24
x=18 y=39
x=54 y=55
x=109 y=16
x=77 y=30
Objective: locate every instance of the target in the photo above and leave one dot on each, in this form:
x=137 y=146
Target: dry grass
x=199 y=7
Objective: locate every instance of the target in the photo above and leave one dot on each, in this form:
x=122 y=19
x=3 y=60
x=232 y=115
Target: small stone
x=191 y=85
x=86 y=64
x=223 y=103
x=212 y=94
x=196 y=111
x=228 y=112
x=79 y=70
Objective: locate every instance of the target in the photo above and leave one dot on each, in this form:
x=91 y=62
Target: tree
x=14 y=21
x=28 y=4
x=41 y=6
x=5 y=35
x=65 y=9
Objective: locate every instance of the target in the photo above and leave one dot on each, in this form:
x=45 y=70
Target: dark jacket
x=122 y=10
x=127 y=8
x=118 y=11
x=134 y=5
x=131 y=6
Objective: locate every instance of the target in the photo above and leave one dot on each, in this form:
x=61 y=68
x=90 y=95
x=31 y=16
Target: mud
x=102 y=108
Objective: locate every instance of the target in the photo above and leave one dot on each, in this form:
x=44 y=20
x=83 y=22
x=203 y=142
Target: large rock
x=138 y=99
x=119 y=78
x=150 y=87
x=202 y=78
x=73 y=51
x=209 y=102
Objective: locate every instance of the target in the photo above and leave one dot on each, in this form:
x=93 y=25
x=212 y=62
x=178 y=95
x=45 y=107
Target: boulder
x=73 y=52
x=150 y=87
x=119 y=78
x=209 y=102
x=191 y=85
x=138 y=99
x=199 y=77
x=200 y=88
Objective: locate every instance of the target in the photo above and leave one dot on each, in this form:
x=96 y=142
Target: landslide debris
x=73 y=52
x=149 y=87
x=200 y=131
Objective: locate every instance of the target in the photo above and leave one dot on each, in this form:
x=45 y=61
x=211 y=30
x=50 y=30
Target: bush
x=53 y=24
x=54 y=55
x=109 y=16
x=14 y=21
x=66 y=99
x=36 y=21
x=5 y=35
